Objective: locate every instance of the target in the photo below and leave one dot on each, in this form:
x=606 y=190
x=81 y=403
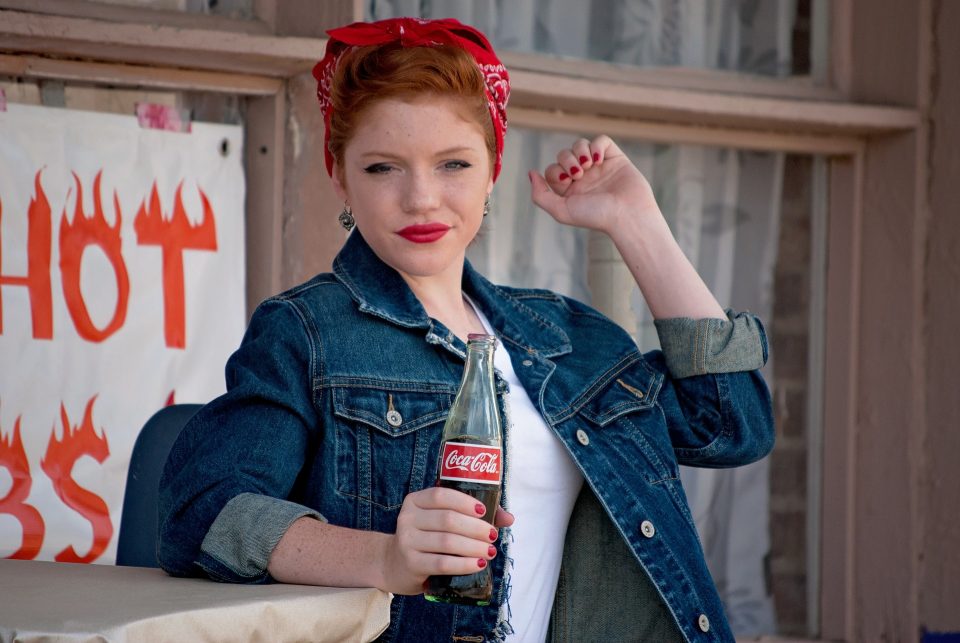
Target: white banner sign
x=121 y=290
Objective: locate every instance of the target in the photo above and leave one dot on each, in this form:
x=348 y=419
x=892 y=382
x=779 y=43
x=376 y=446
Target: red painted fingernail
x=563 y=176
x=584 y=159
x=491 y=551
x=481 y=563
x=574 y=170
x=480 y=509
x=596 y=157
x=493 y=534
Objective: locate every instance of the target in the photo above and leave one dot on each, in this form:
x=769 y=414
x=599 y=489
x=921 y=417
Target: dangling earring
x=486 y=206
x=346 y=218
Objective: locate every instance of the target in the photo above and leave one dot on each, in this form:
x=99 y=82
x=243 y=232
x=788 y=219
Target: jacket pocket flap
x=632 y=389
x=394 y=412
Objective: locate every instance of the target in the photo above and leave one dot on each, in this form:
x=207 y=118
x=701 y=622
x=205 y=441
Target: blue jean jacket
x=303 y=430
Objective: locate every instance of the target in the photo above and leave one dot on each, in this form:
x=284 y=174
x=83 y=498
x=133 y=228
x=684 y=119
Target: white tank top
x=542 y=486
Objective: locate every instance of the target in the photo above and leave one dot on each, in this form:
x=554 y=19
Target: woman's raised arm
x=594 y=185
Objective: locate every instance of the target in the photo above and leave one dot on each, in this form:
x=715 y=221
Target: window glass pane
x=519 y=244
x=744 y=220
x=770 y=38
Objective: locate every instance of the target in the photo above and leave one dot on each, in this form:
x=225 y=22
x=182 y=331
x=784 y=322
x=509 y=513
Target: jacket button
x=394 y=418
x=704 y=623
x=646 y=528
x=582 y=437
x=527 y=362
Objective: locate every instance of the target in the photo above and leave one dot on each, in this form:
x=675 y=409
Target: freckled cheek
x=466 y=196
x=376 y=196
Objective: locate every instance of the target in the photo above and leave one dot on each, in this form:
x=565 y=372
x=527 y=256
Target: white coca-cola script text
x=477 y=463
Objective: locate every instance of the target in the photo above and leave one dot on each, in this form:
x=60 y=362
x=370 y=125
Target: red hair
x=366 y=75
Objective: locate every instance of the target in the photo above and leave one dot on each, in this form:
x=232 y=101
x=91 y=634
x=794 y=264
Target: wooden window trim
x=706 y=109
x=839 y=396
x=681 y=133
x=119 y=13
x=160 y=45
x=141 y=76
x=274 y=56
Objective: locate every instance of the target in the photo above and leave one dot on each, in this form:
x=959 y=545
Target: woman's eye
x=456 y=165
x=377 y=168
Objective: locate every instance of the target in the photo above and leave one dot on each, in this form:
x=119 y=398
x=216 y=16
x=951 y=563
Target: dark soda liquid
x=470 y=589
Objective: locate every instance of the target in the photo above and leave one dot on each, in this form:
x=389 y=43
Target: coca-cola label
x=471 y=462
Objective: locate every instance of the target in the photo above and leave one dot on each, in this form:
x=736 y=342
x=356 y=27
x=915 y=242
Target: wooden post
x=264 y=151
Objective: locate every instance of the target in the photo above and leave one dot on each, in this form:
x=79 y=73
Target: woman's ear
x=339 y=185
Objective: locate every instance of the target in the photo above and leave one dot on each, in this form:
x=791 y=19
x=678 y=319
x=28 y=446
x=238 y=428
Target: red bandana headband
x=414 y=32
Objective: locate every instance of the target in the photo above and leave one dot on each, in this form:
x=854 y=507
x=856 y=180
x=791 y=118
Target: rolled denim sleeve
x=224 y=496
x=704 y=346
x=244 y=534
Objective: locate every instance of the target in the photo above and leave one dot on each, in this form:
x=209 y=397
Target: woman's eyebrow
x=378 y=154
x=450 y=150
x=454 y=150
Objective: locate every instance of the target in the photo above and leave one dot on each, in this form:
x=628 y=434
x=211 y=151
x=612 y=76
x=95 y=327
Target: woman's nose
x=421 y=193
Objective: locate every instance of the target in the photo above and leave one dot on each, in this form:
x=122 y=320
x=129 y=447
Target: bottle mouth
x=481 y=341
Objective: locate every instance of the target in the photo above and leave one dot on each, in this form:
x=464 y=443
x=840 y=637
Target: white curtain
x=722 y=204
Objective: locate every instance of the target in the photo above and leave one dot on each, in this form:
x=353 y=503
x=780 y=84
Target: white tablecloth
x=43 y=601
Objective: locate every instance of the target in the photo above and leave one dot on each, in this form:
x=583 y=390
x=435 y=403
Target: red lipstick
x=424 y=232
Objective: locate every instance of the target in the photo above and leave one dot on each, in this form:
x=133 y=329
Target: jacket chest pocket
x=630 y=425
x=387 y=442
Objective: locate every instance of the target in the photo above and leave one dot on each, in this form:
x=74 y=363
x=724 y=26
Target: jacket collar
x=379 y=290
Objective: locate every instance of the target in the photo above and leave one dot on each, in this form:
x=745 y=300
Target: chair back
x=137 y=541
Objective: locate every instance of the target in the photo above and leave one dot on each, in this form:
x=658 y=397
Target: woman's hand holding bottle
x=439 y=531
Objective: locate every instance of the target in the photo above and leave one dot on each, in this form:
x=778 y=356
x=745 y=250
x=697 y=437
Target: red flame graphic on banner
x=58 y=465
x=37 y=280
x=74 y=239
x=174 y=235
x=14 y=458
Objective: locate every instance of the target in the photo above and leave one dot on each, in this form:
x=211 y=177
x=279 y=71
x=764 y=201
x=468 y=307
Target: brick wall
x=789 y=335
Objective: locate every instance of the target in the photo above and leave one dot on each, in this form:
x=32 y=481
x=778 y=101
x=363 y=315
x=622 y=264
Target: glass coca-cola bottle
x=471 y=461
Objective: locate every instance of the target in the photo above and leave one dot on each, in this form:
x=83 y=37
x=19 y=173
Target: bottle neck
x=479 y=366
x=474 y=411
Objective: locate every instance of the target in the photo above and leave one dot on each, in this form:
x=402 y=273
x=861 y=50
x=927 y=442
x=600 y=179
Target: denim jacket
x=309 y=427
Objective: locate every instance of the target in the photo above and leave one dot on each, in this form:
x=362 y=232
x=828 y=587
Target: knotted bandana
x=415 y=32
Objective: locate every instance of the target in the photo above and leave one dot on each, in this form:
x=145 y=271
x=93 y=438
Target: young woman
x=318 y=464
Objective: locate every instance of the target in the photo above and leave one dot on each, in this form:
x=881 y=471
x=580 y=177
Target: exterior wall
x=889 y=428
x=939 y=583
x=311 y=234
x=882 y=545
x=906 y=567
